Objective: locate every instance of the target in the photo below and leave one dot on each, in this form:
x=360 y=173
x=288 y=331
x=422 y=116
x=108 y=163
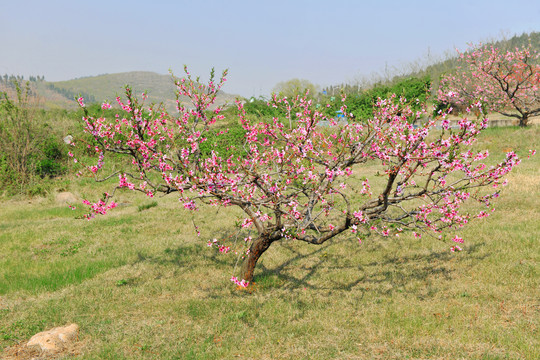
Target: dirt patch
x=66 y=198
x=22 y=352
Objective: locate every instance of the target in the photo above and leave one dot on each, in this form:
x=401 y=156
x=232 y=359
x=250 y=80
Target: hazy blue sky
x=260 y=42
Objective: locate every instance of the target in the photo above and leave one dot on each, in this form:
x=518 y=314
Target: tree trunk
x=523 y=121
x=257 y=248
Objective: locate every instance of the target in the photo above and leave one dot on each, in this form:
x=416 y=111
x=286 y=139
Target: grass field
x=141 y=285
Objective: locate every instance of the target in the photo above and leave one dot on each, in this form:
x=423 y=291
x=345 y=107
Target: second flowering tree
x=507 y=82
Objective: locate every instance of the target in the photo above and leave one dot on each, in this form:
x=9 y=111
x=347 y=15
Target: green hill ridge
x=62 y=94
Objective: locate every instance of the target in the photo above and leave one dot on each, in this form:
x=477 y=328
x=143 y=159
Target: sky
x=260 y=42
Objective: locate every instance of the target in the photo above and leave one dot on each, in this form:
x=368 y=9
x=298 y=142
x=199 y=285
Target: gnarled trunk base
x=257 y=248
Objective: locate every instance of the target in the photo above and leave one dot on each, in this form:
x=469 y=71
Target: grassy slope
x=111 y=85
x=142 y=286
x=108 y=87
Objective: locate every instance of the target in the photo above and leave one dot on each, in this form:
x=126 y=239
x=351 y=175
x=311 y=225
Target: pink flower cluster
x=242 y=283
x=101 y=207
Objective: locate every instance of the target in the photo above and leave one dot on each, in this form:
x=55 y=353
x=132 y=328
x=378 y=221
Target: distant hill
x=160 y=88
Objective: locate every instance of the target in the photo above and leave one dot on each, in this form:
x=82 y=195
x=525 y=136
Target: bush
x=30 y=150
x=362 y=105
x=51 y=163
x=260 y=108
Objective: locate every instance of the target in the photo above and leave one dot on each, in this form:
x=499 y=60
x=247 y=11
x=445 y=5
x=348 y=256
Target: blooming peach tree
x=296 y=180
x=504 y=82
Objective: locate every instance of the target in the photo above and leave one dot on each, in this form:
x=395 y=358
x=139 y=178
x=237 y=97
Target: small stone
x=54 y=340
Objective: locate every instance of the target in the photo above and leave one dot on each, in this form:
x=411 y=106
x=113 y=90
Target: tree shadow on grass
x=315 y=270
x=392 y=273
x=187 y=256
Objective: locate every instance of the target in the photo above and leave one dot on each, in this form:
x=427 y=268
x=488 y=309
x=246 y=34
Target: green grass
x=141 y=285
x=147 y=206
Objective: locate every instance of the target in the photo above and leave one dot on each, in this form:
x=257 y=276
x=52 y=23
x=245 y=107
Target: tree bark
x=257 y=248
x=523 y=121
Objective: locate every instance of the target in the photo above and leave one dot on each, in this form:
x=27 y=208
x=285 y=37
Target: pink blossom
x=241 y=283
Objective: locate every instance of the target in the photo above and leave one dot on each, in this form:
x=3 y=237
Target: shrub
x=31 y=150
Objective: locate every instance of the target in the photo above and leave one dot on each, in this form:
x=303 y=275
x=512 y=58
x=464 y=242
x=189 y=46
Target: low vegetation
x=32 y=149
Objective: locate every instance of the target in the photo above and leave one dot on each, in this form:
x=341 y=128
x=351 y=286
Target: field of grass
x=141 y=285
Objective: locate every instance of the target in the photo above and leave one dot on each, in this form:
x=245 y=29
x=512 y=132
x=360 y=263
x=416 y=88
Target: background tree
x=302 y=183
x=294 y=87
x=505 y=82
